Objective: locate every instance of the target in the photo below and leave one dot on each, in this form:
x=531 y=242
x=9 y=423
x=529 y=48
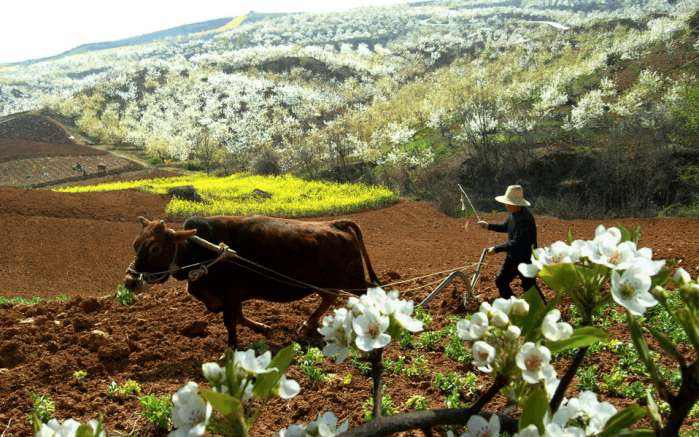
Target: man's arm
x=498 y=227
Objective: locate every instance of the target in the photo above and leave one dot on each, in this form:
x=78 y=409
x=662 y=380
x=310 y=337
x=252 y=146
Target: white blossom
x=534 y=362
x=370 y=328
x=479 y=427
x=553 y=329
x=681 y=277
x=190 y=413
x=483 y=356
x=631 y=290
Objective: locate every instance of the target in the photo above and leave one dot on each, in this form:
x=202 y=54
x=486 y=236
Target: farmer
x=521 y=238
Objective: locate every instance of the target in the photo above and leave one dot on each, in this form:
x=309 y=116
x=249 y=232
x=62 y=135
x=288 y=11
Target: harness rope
x=229 y=255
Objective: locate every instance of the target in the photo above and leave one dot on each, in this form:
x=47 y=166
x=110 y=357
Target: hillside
x=416 y=96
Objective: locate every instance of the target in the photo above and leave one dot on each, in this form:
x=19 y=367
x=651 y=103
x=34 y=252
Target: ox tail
x=348 y=224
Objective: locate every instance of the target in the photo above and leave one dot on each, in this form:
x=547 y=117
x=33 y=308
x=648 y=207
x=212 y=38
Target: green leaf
x=581 y=337
x=622 y=420
x=266 y=382
x=536 y=314
x=534 y=410
x=560 y=277
x=84 y=431
x=223 y=403
x=653 y=410
x=570 y=238
x=641 y=346
x=662 y=278
x=690 y=325
x=665 y=342
x=636 y=433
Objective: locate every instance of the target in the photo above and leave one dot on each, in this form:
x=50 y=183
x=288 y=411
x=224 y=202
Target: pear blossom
x=553 y=329
x=551 y=381
x=213 y=373
x=190 y=412
x=292 y=431
x=337 y=331
x=69 y=428
x=519 y=307
x=326 y=426
x=252 y=365
x=500 y=319
x=584 y=409
x=617 y=257
x=631 y=290
x=681 y=277
x=472 y=329
x=370 y=328
x=483 y=356
x=513 y=332
x=288 y=388
x=534 y=362
x=559 y=252
x=478 y=427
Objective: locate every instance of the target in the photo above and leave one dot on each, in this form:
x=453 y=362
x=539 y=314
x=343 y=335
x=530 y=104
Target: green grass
x=234 y=195
x=18 y=300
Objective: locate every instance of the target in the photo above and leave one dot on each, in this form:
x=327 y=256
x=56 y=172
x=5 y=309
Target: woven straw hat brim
x=508 y=201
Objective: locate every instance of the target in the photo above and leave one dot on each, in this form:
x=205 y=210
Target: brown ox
x=330 y=255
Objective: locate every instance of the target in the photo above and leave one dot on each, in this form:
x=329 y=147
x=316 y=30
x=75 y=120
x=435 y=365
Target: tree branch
x=376 y=371
x=427 y=418
x=682 y=403
x=567 y=379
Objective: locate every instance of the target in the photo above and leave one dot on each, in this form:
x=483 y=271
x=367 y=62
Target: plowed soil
x=12 y=150
x=33 y=127
x=80 y=245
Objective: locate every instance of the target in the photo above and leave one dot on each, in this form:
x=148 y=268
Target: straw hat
x=513 y=196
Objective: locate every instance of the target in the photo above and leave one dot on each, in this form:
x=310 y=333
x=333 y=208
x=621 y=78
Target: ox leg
x=312 y=322
x=255 y=326
x=230 y=321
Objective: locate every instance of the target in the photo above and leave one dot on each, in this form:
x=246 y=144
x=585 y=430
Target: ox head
x=156 y=250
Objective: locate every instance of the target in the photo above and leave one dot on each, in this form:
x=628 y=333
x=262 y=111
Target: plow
x=468 y=273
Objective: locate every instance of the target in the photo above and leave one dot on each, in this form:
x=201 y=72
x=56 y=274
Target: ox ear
x=183 y=235
x=144 y=221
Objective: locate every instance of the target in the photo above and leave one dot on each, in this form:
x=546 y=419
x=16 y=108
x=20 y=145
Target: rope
x=226 y=254
x=403 y=281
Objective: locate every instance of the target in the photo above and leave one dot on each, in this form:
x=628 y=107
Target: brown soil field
x=80 y=245
x=53 y=169
x=12 y=150
x=33 y=127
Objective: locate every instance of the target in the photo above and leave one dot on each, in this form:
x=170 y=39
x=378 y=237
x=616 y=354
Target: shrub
x=156 y=409
x=43 y=408
x=124 y=296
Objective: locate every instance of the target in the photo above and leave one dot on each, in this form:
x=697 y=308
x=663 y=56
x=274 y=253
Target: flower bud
x=681 y=277
x=513 y=332
x=500 y=319
x=213 y=373
x=520 y=307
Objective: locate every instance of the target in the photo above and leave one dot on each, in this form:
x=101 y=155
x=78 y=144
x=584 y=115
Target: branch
x=682 y=403
x=426 y=418
x=567 y=379
x=376 y=371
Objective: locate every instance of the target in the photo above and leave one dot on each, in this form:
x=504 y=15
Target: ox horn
x=144 y=221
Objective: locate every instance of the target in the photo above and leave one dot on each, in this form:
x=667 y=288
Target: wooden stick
x=209 y=245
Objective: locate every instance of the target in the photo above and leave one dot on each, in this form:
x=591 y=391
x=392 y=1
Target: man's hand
x=491 y=250
x=483 y=224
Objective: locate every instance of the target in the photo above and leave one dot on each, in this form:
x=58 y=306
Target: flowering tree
x=239 y=390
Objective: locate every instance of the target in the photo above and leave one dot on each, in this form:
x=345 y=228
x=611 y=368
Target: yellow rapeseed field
x=236 y=195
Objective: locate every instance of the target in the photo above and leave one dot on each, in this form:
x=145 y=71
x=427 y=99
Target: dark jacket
x=521 y=235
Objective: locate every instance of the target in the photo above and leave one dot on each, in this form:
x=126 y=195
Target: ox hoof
x=306 y=330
